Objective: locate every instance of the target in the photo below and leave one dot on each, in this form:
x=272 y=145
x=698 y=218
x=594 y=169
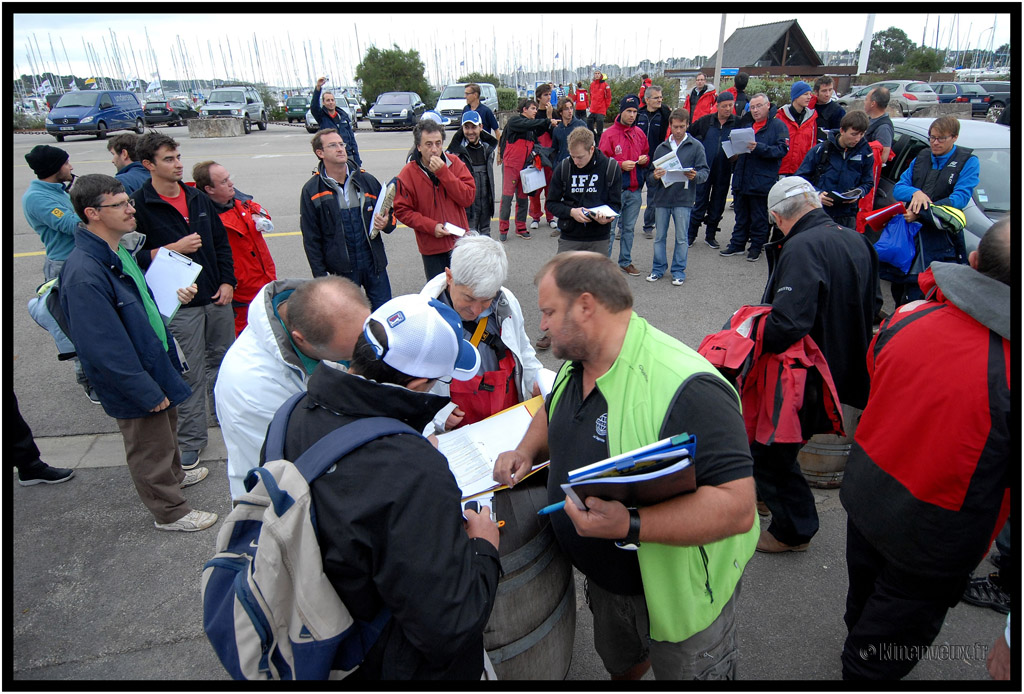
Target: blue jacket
x=133 y=176
x=846 y=169
x=691 y=155
x=340 y=122
x=758 y=170
x=560 y=136
x=961 y=195
x=48 y=209
x=124 y=359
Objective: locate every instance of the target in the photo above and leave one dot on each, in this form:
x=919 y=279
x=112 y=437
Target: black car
x=173 y=112
x=396 y=110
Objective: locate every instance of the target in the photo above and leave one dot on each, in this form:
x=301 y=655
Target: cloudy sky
x=332 y=42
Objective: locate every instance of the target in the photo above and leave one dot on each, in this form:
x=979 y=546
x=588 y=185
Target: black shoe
x=729 y=250
x=986 y=592
x=711 y=242
x=689 y=243
x=753 y=257
x=45 y=475
x=503 y=236
x=523 y=235
x=91 y=394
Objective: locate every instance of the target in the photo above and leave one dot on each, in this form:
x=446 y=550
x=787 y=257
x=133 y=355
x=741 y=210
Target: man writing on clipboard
x=626 y=384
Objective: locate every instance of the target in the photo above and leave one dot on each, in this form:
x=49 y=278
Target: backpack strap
x=343 y=440
x=279 y=427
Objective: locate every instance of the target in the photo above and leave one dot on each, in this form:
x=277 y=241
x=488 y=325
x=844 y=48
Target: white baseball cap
x=788 y=187
x=424 y=339
x=437 y=118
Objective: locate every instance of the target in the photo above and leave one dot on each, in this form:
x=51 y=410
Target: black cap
x=46 y=160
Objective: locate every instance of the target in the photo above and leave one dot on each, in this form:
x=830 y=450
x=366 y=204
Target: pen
x=551 y=509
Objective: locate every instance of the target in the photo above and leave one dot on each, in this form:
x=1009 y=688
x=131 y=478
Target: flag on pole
x=154 y=86
x=461 y=63
x=91 y=80
x=45 y=87
x=73 y=86
x=556 y=55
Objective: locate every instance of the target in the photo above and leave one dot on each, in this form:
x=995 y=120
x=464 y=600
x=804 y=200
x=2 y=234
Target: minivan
x=95 y=113
x=453 y=100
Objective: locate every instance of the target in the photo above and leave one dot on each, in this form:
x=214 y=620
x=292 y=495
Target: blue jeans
x=631 y=201
x=681 y=221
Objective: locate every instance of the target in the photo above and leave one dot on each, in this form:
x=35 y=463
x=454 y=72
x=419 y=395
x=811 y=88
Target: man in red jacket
x=254 y=266
x=600 y=100
x=802 y=123
x=434 y=189
x=701 y=100
x=627 y=144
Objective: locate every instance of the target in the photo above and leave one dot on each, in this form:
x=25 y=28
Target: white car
x=342 y=104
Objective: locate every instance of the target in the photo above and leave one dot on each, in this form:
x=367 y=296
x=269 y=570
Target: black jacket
x=655 y=135
x=712 y=133
x=824 y=285
x=458 y=147
x=829 y=116
x=389 y=518
x=163 y=224
x=323 y=231
x=758 y=170
x=591 y=186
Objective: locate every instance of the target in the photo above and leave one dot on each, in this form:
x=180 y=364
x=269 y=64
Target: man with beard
x=476 y=148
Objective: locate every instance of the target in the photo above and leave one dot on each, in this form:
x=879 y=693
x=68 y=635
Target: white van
x=453 y=100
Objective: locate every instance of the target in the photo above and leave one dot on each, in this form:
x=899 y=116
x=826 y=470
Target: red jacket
x=254 y=266
x=626 y=144
x=421 y=204
x=706 y=103
x=580 y=99
x=867 y=203
x=802 y=137
x=600 y=97
x=643 y=90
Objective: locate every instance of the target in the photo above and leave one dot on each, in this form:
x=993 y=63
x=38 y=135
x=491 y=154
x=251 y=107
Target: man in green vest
x=670 y=603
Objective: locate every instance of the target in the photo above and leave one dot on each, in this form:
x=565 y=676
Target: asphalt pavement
x=96 y=593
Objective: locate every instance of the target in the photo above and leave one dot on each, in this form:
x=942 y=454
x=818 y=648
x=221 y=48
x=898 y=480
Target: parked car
x=173 y=112
x=357 y=108
x=237 y=102
x=95 y=113
x=453 y=98
x=989 y=142
x=296 y=107
x=396 y=110
x=911 y=95
x=1000 y=93
x=963 y=93
x=312 y=126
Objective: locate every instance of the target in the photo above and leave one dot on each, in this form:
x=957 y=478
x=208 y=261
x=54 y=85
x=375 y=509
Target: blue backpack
x=269 y=610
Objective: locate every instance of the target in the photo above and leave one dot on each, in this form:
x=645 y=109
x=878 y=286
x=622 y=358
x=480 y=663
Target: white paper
x=454 y=230
x=531 y=178
x=380 y=203
x=473 y=450
x=728 y=149
x=669 y=162
x=603 y=210
x=545 y=381
x=168 y=273
x=741 y=137
x=671 y=177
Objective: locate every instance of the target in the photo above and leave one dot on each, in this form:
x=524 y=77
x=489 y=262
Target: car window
x=973 y=89
x=105 y=101
x=394 y=98
x=227 y=96
x=454 y=91
x=944 y=89
x=901 y=141
x=76 y=99
x=919 y=87
x=992 y=194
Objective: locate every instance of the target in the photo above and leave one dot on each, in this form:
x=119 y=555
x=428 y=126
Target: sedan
x=396 y=110
x=963 y=93
x=989 y=142
x=910 y=95
x=312 y=126
x=173 y=112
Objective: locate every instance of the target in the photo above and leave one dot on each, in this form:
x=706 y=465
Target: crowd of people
x=922 y=509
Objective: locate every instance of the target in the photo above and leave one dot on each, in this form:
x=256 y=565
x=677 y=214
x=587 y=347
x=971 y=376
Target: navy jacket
x=560 y=136
x=163 y=224
x=712 y=134
x=484 y=193
x=846 y=169
x=340 y=122
x=830 y=115
x=132 y=177
x=323 y=231
x=655 y=125
x=120 y=352
x=758 y=170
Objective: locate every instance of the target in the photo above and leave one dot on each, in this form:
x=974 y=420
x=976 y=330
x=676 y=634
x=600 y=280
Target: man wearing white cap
x=823 y=286
x=392 y=528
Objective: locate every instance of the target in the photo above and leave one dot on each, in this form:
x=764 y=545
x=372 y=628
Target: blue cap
x=798 y=89
x=472 y=117
x=435 y=116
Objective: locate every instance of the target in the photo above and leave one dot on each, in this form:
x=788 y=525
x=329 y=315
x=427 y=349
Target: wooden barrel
x=533 y=624
x=823 y=458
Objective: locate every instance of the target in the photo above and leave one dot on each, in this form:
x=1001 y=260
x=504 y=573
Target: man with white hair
x=492 y=321
x=823 y=286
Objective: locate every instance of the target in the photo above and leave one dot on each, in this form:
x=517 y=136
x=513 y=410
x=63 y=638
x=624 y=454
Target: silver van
x=453 y=99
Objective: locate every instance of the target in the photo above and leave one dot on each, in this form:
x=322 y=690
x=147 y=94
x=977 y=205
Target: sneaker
x=194 y=477
x=45 y=475
x=653 y=278
x=535 y=224
x=648 y=234
x=90 y=393
x=986 y=592
x=543 y=342
x=385 y=208
x=753 y=257
x=524 y=234
x=503 y=236
x=630 y=270
x=189 y=459
x=553 y=222
x=712 y=243
x=190 y=522
x=768 y=544
x=729 y=250
x=555 y=232
x=677 y=282
x=690 y=242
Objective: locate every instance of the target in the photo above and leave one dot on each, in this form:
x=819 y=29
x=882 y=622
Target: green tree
x=392 y=70
x=888 y=48
x=923 y=59
x=479 y=77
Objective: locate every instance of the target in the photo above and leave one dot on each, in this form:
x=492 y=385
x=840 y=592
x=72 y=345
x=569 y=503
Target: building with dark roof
x=779 y=44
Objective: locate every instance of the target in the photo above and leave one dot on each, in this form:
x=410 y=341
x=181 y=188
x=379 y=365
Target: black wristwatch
x=632 y=538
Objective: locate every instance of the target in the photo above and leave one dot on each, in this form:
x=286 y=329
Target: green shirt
x=129 y=265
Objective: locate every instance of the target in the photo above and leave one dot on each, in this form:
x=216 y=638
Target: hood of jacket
x=266 y=326
x=984 y=299
x=790 y=115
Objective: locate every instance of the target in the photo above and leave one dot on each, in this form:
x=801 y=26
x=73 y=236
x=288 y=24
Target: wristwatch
x=632 y=539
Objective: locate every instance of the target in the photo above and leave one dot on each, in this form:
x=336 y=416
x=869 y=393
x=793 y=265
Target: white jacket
x=259 y=372
x=513 y=334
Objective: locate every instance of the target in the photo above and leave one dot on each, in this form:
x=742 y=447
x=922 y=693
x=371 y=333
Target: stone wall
x=215 y=127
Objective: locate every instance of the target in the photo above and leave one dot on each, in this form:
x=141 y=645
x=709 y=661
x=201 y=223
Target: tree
x=888 y=48
x=479 y=77
x=392 y=70
x=924 y=59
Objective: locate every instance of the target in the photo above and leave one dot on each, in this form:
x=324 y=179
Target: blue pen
x=551 y=509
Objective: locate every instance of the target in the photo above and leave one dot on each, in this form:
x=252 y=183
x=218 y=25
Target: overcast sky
x=536 y=39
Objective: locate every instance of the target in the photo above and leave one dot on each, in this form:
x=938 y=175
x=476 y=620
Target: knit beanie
x=798 y=89
x=45 y=160
x=725 y=96
x=629 y=101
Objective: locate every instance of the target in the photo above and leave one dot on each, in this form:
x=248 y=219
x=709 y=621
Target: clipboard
x=169 y=272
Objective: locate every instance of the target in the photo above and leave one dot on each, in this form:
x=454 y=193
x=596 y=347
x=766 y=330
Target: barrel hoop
x=511 y=650
x=520 y=580
x=513 y=561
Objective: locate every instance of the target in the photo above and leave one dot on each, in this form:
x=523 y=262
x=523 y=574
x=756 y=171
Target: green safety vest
x=685 y=587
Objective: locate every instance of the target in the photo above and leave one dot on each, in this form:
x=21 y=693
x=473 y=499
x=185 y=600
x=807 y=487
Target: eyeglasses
x=334 y=145
x=468 y=93
x=935 y=138
x=118 y=205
